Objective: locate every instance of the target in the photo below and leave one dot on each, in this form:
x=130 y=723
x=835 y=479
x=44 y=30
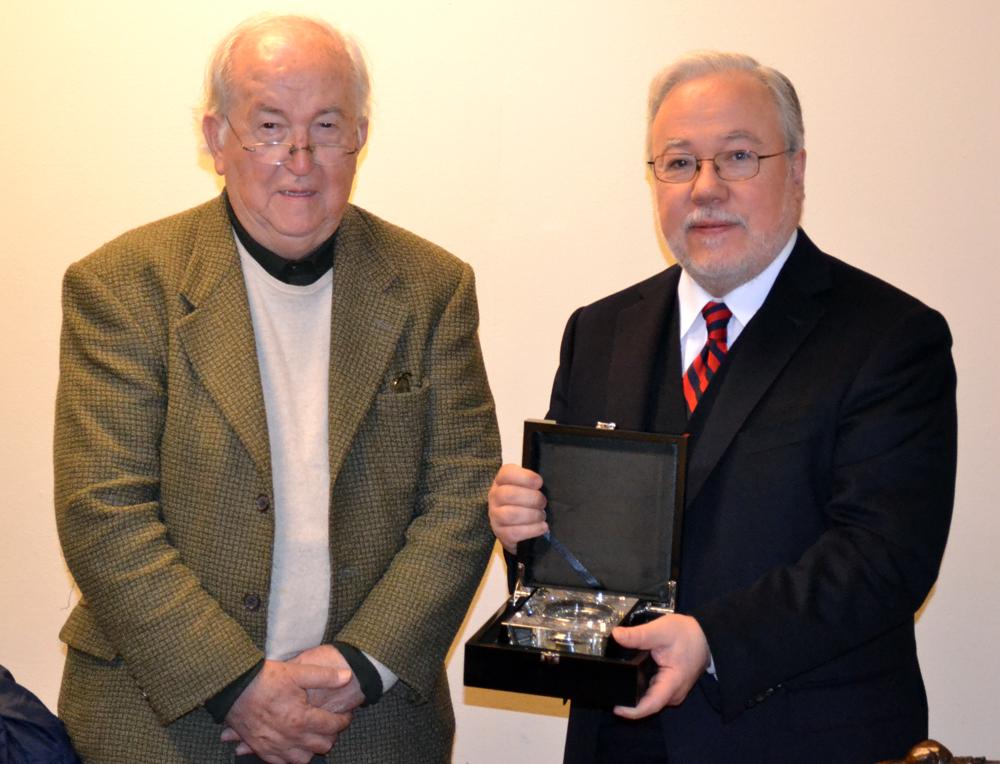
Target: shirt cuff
x=385 y=673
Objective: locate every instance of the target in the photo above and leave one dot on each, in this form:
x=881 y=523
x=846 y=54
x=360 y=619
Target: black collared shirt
x=307 y=270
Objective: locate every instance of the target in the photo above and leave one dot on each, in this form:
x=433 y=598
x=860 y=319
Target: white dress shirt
x=743 y=302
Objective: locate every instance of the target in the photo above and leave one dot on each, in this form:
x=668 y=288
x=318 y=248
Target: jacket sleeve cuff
x=364 y=670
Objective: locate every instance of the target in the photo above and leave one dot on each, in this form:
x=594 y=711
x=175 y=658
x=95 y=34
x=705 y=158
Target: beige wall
x=512 y=134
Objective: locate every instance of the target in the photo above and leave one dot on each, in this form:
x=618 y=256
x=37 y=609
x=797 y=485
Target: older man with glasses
x=820 y=405
x=273 y=442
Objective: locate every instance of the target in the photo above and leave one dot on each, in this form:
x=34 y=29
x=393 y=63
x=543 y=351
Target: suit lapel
x=671 y=410
x=217 y=334
x=639 y=334
x=367 y=321
x=783 y=322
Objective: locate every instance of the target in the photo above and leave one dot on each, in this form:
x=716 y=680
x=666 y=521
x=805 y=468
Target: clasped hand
x=295 y=709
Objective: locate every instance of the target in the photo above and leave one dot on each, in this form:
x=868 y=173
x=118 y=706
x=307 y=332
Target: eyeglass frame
x=292 y=148
x=715 y=164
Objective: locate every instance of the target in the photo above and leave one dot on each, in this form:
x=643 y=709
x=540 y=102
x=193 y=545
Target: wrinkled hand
x=679 y=647
x=273 y=717
x=517 y=506
x=341 y=700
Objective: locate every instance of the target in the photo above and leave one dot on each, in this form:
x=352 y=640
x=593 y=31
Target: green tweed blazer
x=163 y=484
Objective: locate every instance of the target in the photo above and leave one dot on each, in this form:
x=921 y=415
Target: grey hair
x=701 y=63
x=219 y=74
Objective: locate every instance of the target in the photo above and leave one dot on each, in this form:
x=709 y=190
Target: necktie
x=707 y=362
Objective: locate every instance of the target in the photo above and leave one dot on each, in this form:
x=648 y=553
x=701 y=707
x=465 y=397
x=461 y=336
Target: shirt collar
x=302 y=272
x=744 y=301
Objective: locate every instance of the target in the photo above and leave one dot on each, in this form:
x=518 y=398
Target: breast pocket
x=783 y=464
x=775 y=435
x=397 y=435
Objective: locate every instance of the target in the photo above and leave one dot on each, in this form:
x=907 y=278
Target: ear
x=799 y=168
x=213 y=129
x=362 y=132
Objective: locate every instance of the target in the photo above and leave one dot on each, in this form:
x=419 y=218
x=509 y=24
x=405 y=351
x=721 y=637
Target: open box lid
x=615 y=500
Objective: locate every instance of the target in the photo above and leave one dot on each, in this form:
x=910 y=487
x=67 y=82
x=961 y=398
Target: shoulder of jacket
x=164 y=243
x=410 y=253
x=664 y=280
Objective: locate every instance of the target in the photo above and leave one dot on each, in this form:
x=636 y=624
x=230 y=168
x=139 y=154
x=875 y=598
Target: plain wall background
x=512 y=133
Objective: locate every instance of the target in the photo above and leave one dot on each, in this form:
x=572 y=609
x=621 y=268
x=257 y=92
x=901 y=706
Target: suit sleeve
x=559 y=403
x=886 y=522
x=410 y=617
x=177 y=643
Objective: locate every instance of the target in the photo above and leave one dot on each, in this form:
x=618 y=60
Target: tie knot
x=717 y=317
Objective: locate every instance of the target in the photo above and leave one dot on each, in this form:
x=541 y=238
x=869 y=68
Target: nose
x=707 y=187
x=301 y=160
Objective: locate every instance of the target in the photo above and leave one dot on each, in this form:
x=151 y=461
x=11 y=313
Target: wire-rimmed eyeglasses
x=736 y=164
x=275 y=152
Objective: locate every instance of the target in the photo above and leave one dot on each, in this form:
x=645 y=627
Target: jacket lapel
x=639 y=333
x=217 y=334
x=367 y=322
x=783 y=322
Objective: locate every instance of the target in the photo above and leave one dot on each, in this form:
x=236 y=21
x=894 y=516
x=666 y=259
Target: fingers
x=297 y=755
x=313 y=676
x=678 y=634
x=322 y=723
x=516 y=475
x=317 y=734
x=342 y=700
x=678 y=645
x=662 y=692
x=337 y=698
x=662 y=688
x=322 y=655
x=516 y=506
x=511 y=531
x=635 y=637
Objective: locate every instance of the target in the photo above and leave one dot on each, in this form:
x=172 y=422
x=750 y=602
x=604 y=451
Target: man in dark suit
x=821 y=412
x=274 y=437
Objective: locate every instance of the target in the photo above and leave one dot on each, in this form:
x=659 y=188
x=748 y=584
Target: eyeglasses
x=680 y=167
x=273 y=152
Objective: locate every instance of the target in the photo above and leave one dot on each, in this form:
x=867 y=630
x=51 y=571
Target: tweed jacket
x=163 y=484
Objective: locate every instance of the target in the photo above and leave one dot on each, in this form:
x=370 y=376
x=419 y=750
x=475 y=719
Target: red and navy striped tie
x=708 y=361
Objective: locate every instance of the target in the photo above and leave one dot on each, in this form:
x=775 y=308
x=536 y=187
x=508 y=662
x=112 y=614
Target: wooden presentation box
x=615 y=501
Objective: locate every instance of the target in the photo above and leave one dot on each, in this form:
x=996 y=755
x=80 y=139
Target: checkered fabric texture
x=161 y=460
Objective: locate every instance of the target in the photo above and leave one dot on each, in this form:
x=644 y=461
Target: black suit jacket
x=819 y=494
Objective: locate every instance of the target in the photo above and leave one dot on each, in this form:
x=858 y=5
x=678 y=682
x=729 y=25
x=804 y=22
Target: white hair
x=218 y=76
x=700 y=63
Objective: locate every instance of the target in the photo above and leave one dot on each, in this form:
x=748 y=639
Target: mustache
x=713 y=217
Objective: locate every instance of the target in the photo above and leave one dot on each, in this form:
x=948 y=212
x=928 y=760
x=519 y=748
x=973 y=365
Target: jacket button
x=262 y=503
x=251 y=602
